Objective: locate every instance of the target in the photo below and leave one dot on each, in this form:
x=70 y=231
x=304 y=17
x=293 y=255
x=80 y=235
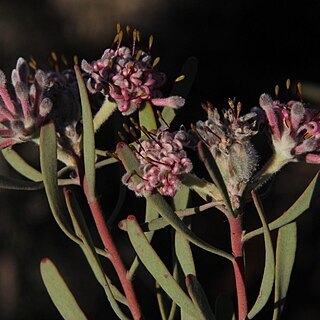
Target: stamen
x=180 y=78
x=276 y=91
x=288 y=83
x=150 y=42
x=75 y=60
x=118 y=27
x=155 y=62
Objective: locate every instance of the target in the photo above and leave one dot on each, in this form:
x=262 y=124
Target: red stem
x=113 y=255
x=238 y=265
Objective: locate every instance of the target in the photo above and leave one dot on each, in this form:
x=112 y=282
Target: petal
x=266 y=104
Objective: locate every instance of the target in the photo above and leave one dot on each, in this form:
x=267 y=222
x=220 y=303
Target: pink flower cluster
x=162 y=161
x=295 y=129
x=129 y=78
x=25 y=111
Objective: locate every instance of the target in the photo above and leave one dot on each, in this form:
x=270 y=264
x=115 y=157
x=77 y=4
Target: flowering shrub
x=59 y=113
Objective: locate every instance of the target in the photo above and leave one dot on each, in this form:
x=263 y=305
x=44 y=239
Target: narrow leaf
x=131 y=164
x=20 y=165
x=48 y=163
x=156 y=267
x=87 y=136
x=304 y=202
x=199 y=298
x=285 y=256
x=151 y=214
x=268 y=273
x=59 y=292
x=147 y=118
x=89 y=250
x=215 y=174
x=104 y=113
x=18 y=184
x=182 y=88
x=182 y=245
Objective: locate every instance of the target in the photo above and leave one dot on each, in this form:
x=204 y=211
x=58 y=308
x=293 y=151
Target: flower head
x=162 y=161
x=24 y=111
x=129 y=77
x=295 y=130
x=228 y=138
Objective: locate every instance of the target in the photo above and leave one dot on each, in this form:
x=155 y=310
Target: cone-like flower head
x=129 y=77
x=228 y=138
x=24 y=111
x=162 y=161
x=295 y=130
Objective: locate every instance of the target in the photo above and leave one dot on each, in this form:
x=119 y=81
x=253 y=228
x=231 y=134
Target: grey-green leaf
x=215 y=174
x=182 y=245
x=156 y=267
x=87 y=136
x=48 y=163
x=268 y=273
x=59 y=292
x=199 y=298
x=308 y=197
x=88 y=248
x=132 y=165
x=20 y=165
x=18 y=184
x=146 y=117
x=285 y=256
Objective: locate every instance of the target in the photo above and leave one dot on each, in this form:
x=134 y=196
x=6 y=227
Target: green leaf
x=215 y=175
x=131 y=164
x=162 y=302
x=89 y=250
x=151 y=214
x=304 y=202
x=20 y=165
x=182 y=88
x=182 y=245
x=155 y=266
x=224 y=308
x=106 y=110
x=59 y=292
x=199 y=298
x=268 y=273
x=147 y=118
x=18 y=184
x=48 y=163
x=87 y=136
x=285 y=256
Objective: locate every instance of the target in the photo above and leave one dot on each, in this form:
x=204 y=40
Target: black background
x=243 y=49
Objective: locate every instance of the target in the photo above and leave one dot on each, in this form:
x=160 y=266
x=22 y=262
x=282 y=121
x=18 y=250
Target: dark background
x=244 y=48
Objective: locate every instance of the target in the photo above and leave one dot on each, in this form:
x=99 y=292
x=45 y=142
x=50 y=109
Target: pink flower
x=129 y=78
x=162 y=161
x=295 y=130
x=25 y=111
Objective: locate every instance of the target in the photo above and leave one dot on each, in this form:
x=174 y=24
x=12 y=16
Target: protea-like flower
x=162 y=161
x=128 y=77
x=228 y=138
x=295 y=130
x=25 y=110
